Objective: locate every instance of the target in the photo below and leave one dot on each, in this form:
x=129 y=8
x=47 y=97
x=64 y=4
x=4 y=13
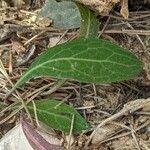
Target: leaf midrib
x=68 y=59
x=78 y=59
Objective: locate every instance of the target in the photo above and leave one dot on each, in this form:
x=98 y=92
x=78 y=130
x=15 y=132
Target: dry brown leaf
x=18 y=47
x=104 y=132
x=43 y=22
x=100 y=6
x=105 y=6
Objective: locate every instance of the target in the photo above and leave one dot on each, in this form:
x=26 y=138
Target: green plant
x=87 y=59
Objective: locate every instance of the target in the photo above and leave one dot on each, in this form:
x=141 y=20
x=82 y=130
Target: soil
x=22 y=38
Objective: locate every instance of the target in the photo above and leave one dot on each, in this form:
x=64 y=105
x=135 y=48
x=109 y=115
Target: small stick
x=35 y=113
x=138 y=32
x=34 y=37
x=71 y=129
x=10 y=62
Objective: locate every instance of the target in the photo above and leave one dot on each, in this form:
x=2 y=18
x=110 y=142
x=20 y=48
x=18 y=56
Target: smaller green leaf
x=58 y=115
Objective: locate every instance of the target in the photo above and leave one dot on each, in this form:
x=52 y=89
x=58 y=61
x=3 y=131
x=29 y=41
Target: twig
x=138 y=32
x=39 y=90
x=62 y=37
x=34 y=37
x=11 y=115
x=35 y=113
x=70 y=134
x=101 y=32
x=138 y=37
x=54 y=88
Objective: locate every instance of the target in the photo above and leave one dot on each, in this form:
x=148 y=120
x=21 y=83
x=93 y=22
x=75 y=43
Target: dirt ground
x=121 y=109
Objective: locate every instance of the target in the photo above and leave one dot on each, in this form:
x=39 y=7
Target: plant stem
x=89 y=23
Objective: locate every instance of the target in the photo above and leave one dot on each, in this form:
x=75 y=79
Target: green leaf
x=85 y=60
x=58 y=115
x=65 y=15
